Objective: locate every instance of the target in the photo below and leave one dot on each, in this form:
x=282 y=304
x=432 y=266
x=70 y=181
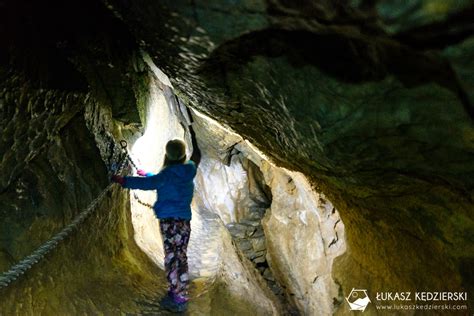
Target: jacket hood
x=182 y=173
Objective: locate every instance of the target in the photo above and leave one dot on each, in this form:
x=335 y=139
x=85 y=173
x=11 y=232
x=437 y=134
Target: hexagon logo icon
x=358 y=300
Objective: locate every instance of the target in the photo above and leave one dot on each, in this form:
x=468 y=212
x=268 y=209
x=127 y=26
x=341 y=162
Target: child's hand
x=118 y=179
x=141 y=172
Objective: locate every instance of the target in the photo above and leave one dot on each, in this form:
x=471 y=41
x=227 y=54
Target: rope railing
x=25 y=264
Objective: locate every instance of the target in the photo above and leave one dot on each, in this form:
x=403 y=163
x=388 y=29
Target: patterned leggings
x=175 y=233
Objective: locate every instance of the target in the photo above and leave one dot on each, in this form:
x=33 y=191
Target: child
x=175 y=188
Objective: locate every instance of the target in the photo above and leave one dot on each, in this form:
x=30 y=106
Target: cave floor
x=204 y=264
x=200 y=303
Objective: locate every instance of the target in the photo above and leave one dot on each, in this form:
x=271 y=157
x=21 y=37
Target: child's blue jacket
x=175 y=188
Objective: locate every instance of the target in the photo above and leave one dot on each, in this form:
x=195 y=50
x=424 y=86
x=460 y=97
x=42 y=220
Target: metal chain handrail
x=24 y=265
x=123 y=144
x=135 y=195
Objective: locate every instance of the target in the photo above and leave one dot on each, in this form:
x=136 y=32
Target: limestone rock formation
x=304 y=234
x=361 y=106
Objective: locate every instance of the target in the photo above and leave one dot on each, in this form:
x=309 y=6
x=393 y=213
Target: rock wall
x=147 y=150
x=71 y=149
x=51 y=170
x=369 y=99
x=289 y=232
x=304 y=234
x=70 y=87
x=212 y=258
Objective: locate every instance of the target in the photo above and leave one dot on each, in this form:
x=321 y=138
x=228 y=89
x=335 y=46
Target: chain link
x=135 y=195
x=24 y=265
x=124 y=145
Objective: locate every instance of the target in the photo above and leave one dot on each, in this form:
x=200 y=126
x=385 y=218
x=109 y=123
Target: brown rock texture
x=371 y=100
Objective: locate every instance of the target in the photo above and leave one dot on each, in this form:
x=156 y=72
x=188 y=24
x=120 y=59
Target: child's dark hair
x=175 y=153
x=169 y=162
